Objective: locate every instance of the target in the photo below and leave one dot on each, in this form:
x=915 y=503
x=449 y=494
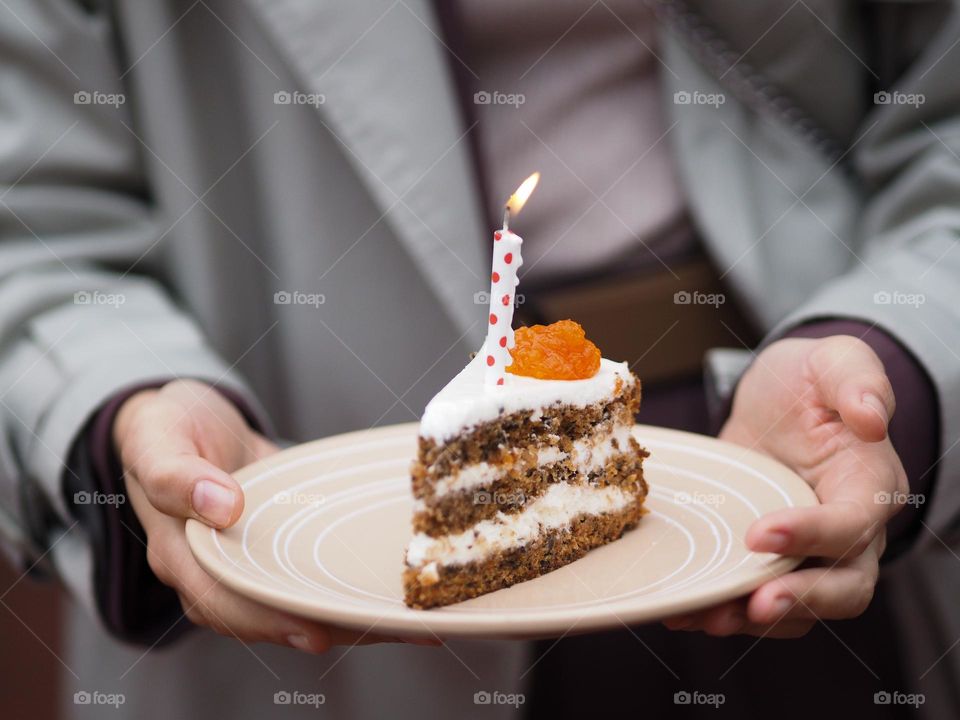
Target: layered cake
x=514 y=481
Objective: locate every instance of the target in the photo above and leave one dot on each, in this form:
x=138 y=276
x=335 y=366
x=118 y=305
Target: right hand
x=178 y=446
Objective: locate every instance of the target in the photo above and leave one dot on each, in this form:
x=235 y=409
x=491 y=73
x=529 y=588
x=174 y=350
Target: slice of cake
x=513 y=482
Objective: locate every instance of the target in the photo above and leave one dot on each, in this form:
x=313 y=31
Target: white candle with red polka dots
x=503 y=288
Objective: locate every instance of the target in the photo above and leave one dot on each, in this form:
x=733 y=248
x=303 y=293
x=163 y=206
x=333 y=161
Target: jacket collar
x=389 y=100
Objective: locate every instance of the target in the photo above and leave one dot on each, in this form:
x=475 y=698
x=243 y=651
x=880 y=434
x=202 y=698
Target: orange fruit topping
x=559 y=351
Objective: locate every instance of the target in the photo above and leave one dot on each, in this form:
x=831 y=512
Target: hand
x=821 y=407
x=177 y=446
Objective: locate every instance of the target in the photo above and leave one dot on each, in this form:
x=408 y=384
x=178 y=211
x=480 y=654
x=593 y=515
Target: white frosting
x=482 y=473
x=548 y=455
x=554 y=509
x=589 y=454
x=469 y=476
x=466 y=401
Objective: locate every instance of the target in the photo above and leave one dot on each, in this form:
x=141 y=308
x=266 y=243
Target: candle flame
x=519 y=198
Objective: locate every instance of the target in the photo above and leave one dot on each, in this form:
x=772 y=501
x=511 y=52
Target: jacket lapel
x=389 y=100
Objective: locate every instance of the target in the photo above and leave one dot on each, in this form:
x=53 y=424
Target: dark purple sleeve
x=915 y=426
x=132 y=603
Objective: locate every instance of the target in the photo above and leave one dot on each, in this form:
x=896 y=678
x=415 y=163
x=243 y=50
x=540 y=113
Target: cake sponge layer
x=521 y=485
x=551 y=550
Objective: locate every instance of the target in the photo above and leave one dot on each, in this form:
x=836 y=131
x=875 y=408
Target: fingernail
x=213 y=502
x=774 y=541
x=875 y=404
x=781 y=605
x=679 y=623
x=300 y=642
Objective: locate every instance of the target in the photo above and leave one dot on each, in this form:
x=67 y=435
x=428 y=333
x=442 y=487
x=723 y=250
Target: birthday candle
x=503 y=288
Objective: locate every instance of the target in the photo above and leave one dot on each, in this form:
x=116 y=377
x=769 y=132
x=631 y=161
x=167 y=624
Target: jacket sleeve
x=77 y=320
x=906 y=280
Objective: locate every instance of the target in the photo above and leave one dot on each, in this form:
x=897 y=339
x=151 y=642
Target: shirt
x=574 y=93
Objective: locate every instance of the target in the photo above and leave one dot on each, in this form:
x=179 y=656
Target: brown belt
x=661 y=323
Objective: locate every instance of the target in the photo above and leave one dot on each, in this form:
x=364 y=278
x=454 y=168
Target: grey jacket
x=285 y=146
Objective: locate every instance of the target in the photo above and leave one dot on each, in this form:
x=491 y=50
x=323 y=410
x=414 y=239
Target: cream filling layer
x=556 y=508
x=589 y=454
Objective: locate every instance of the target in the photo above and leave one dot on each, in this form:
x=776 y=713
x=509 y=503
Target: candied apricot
x=559 y=351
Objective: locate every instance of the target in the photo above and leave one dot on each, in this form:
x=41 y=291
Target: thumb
x=177 y=481
x=851 y=381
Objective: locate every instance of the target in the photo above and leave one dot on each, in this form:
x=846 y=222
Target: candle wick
x=506 y=217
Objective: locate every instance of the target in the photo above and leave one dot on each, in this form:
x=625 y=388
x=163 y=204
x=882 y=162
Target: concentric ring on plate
x=325 y=524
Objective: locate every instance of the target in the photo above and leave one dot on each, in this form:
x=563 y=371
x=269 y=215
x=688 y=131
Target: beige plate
x=326 y=523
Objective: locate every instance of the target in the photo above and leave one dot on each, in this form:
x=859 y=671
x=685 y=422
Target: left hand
x=821 y=407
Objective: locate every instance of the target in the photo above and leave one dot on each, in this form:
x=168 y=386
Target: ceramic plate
x=326 y=523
